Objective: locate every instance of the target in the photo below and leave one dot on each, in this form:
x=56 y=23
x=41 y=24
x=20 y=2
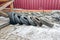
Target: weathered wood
x=5 y=5
x=3 y=14
x=11 y=7
x=4 y=0
x=4 y=25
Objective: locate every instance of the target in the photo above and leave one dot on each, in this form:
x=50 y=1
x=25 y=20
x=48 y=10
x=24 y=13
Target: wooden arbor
x=5 y=4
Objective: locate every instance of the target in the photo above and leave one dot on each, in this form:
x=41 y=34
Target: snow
x=38 y=33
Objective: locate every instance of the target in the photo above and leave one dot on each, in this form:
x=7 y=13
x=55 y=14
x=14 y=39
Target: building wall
x=37 y=4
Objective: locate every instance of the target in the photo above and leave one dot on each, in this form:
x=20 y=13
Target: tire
x=17 y=19
x=11 y=17
x=24 y=20
x=31 y=21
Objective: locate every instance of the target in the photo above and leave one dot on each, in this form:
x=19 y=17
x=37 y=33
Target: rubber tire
x=31 y=21
x=23 y=20
x=11 y=17
x=17 y=19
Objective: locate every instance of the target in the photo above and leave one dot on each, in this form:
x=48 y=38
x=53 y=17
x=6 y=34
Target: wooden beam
x=3 y=14
x=4 y=0
x=11 y=7
x=5 y=5
x=4 y=25
x=47 y=11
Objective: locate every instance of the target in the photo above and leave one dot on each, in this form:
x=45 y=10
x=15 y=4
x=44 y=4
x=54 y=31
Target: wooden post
x=11 y=7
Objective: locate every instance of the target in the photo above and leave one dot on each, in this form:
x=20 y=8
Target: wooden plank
x=3 y=14
x=47 y=11
x=11 y=7
x=4 y=25
x=5 y=5
x=4 y=0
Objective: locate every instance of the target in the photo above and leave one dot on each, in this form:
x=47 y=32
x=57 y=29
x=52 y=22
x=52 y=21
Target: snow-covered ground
x=24 y=32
